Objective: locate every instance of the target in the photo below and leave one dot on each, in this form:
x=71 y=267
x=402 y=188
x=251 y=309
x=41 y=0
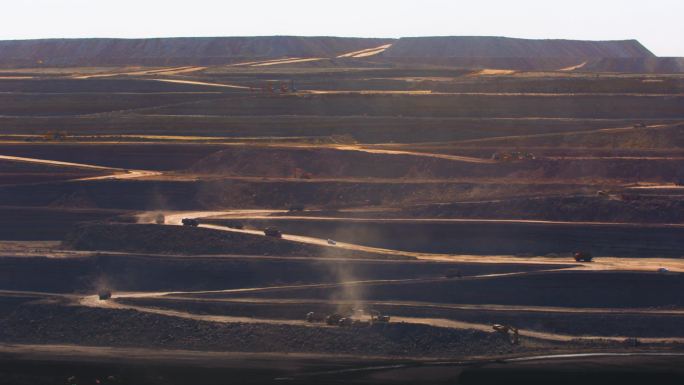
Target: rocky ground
x=188 y=240
x=55 y=323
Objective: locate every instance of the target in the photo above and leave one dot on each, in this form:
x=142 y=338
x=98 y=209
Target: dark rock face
x=173 y=51
x=636 y=65
x=222 y=50
x=502 y=47
x=194 y=241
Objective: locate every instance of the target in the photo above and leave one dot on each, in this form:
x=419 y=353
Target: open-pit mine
x=339 y=210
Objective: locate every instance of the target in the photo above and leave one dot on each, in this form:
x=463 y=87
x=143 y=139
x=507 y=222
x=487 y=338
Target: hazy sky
x=658 y=24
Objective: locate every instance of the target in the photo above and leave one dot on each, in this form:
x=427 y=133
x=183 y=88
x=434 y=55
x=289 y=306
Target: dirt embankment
x=48 y=223
x=173 y=51
x=474 y=237
x=502 y=47
x=609 y=322
x=49 y=324
x=331 y=163
x=58 y=85
x=658 y=137
x=12 y=172
x=367 y=129
x=639 y=209
x=188 y=240
x=76 y=104
x=280 y=194
x=665 y=65
x=556 y=289
x=442 y=105
x=191 y=273
x=137 y=156
x=553 y=83
x=224 y=50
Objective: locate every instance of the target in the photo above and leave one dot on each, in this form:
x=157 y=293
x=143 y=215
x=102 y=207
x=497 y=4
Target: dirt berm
x=474 y=237
x=52 y=324
x=134 y=272
x=638 y=209
x=174 y=51
x=189 y=240
x=278 y=162
x=504 y=47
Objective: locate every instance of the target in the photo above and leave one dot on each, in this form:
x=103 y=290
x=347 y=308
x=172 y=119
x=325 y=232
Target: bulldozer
x=509 y=331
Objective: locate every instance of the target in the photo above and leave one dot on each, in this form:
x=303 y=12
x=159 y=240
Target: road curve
x=94 y=301
x=198 y=83
x=604 y=263
x=116 y=173
x=458 y=158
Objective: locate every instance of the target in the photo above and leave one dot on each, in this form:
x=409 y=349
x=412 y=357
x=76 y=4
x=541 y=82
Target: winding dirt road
x=600 y=264
x=158 y=71
x=198 y=83
x=94 y=301
x=446 y=323
x=458 y=158
x=116 y=173
x=366 y=52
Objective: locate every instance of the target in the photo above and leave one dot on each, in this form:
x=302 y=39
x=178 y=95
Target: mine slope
x=448 y=198
x=487 y=47
x=257 y=51
x=174 y=51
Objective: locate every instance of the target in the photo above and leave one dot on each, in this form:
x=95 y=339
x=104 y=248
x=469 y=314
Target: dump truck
x=104 y=295
x=159 y=219
x=273 y=232
x=583 y=256
x=345 y=322
x=190 y=222
x=508 y=331
x=377 y=318
x=235 y=225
